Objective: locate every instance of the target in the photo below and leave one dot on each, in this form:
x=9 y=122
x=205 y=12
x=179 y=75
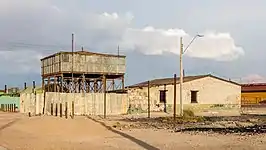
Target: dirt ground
x=48 y=132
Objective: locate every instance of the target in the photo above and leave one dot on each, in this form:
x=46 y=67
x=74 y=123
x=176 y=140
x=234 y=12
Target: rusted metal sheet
x=256 y=87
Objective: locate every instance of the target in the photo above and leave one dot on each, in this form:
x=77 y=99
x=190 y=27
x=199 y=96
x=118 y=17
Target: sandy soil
x=46 y=132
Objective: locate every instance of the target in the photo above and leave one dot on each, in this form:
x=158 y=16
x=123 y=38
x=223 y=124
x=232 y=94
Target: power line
x=38 y=45
x=16 y=46
x=27 y=45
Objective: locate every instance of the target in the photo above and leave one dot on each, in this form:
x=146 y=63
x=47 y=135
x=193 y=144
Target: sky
x=147 y=32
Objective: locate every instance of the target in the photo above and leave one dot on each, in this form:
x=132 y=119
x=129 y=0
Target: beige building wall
x=211 y=93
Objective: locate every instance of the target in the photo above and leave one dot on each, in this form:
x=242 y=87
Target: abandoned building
x=202 y=93
x=254 y=93
x=80 y=82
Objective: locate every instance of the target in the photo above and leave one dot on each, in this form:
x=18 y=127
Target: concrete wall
x=214 y=94
x=85 y=104
x=33 y=103
x=10 y=100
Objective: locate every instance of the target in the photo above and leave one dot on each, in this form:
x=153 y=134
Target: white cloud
x=42 y=22
x=254 y=78
x=214 y=45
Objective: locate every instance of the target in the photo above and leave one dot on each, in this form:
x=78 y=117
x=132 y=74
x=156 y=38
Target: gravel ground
x=244 y=123
x=46 y=132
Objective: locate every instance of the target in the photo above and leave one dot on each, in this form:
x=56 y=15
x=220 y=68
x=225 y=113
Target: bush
x=189 y=116
x=133 y=110
x=188 y=113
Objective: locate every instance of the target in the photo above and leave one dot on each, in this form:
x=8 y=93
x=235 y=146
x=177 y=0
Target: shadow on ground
x=133 y=139
x=8 y=124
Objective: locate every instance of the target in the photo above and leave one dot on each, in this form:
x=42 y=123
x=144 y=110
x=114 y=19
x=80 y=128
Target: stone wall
x=84 y=104
x=138 y=100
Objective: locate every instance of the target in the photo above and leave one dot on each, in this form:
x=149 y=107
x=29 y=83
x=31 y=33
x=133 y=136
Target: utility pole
x=104 y=96
x=149 y=105
x=181 y=76
x=118 y=50
x=117 y=64
x=174 y=96
x=72 y=78
x=181 y=68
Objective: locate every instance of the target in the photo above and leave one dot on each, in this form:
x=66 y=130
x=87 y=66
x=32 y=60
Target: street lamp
x=181 y=68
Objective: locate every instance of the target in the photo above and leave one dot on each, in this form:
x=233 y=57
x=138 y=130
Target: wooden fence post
x=174 y=96
x=60 y=109
x=66 y=111
x=52 y=109
x=149 y=105
x=73 y=109
x=15 y=108
x=56 y=109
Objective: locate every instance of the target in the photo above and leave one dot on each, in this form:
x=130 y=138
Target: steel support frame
x=81 y=84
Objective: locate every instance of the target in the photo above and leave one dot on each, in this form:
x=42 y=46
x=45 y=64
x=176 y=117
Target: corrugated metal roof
x=254 y=87
x=169 y=81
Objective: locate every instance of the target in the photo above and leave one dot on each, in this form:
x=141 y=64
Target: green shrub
x=188 y=113
x=133 y=110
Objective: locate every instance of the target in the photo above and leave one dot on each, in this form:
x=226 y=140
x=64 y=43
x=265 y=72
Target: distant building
x=253 y=93
x=202 y=93
x=2 y=91
x=10 y=96
x=13 y=90
x=10 y=91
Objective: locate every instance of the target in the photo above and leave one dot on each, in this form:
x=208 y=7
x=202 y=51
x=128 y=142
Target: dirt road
x=46 y=132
